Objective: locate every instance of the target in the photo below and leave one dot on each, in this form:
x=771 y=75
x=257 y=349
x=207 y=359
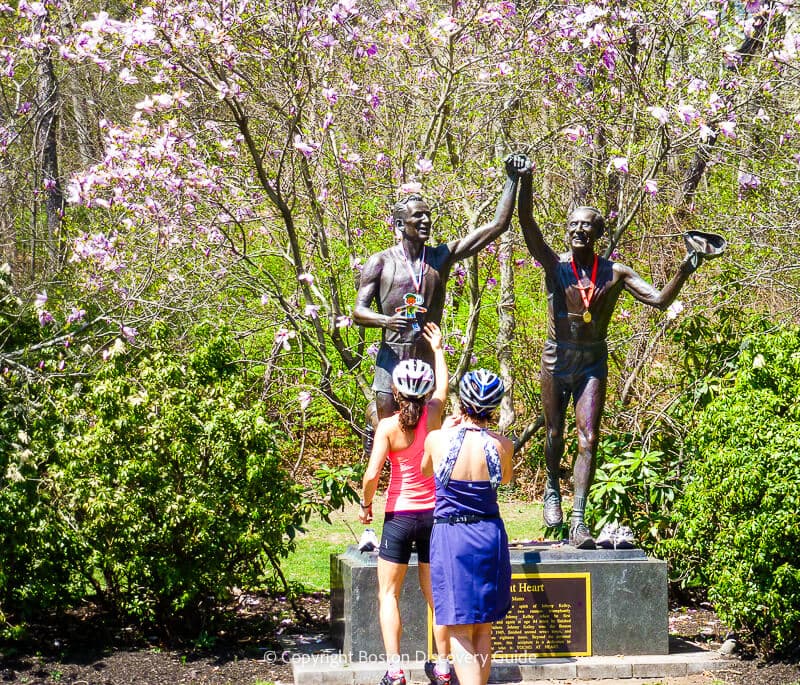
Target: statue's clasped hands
x=518 y=164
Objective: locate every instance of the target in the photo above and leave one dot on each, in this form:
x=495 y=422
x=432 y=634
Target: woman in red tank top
x=410 y=499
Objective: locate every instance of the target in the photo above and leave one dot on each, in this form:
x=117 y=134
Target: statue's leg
x=589 y=401
x=554 y=402
x=382 y=406
x=370 y=423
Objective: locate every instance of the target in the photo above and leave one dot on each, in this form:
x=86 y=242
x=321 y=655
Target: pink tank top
x=408 y=489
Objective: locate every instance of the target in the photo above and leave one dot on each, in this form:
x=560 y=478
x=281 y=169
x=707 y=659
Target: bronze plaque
x=551 y=615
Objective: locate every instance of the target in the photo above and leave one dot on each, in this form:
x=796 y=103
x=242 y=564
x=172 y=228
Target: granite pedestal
x=628 y=595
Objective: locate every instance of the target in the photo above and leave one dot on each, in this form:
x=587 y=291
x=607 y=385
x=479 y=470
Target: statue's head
x=597 y=218
x=585 y=225
x=411 y=215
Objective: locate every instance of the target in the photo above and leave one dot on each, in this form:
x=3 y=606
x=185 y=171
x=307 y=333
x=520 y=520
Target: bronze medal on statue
x=586 y=287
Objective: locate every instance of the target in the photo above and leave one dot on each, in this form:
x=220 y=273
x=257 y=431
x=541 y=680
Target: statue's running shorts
x=571 y=365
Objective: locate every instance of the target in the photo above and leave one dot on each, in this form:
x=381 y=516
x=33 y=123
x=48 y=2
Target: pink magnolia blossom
x=330 y=95
x=761 y=116
x=306 y=278
x=674 y=310
x=609 y=58
x=146 y=105
x=575 y=133
x=343 y=322
x=748 y=181
x=728 y=129
x=590 y=13
x=304 y=397
x=41 y=300
x=75 y=315
x=342 y=10
x=660 y=114
x=446 y=26
x=411 y=187
x=306 y=147
x=697 y=85
x=129 y=333
x=373 y=96
x=715 y=103
x=125 y=76
x=424 y=166
x=709 y=17
x=311 y=311
x=620 y=164
x=687 y=113
x=651 y=186
x=32 y=9
x=731 y=56
x=283 y=336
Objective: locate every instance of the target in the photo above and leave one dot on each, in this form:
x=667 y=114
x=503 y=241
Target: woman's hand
x=365 y=515
x=433 y=334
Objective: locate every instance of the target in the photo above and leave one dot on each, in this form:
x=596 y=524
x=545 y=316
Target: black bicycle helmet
x=481 y=390
x=413 y=378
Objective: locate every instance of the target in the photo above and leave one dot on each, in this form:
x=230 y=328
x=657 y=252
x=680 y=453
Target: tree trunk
x=507 y=323
x=47 y=152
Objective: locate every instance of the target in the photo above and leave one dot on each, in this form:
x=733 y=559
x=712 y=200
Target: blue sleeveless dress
x=470 y=565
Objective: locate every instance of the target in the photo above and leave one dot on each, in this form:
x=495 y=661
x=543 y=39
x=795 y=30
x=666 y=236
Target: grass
x=309 y=564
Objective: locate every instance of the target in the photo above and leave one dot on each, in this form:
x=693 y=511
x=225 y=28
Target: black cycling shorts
x=405 y=531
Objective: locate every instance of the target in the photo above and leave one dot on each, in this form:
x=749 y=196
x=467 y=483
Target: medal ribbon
x=586 y=298
x=416 y=279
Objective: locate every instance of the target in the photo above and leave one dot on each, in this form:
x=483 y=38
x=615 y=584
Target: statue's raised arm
x=534 y=239
x=474 y=242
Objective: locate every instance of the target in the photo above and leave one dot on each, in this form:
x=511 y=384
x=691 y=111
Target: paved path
x=317 y=663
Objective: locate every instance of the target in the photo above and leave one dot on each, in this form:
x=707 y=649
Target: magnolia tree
x=251 y=154
x=257 y=170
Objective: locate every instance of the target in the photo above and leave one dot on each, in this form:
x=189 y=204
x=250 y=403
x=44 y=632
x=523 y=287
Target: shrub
x=736 y=527
x=632 y=486
x=166 y=483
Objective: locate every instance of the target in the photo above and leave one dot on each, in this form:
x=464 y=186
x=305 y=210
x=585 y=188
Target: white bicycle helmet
x=413 y=378
x=481 y=390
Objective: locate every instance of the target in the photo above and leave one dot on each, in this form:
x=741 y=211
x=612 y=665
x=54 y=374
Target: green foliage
x=159 y=486
x=735 y=526
x=635 y=487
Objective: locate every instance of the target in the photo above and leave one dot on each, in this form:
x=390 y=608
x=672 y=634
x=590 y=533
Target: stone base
x=629 y=611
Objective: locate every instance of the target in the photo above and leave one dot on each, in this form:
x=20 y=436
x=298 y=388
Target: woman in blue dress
x=470 y=566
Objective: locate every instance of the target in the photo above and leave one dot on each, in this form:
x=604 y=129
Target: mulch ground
x=253 y=644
